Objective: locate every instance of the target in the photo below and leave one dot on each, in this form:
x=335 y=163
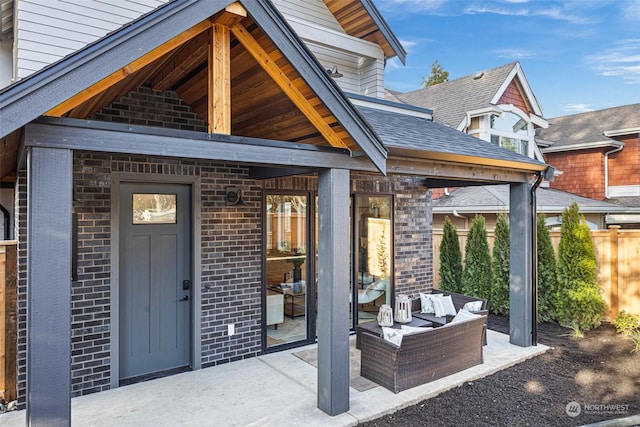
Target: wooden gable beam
x=219 y=75
x=127 y=70
x=287 y=86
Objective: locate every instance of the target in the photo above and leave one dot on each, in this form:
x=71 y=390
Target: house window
x=510 y=131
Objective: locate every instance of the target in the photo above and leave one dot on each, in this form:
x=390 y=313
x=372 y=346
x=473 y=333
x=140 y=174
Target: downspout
x=534 y=259
x=606 y=169
x=466 y=219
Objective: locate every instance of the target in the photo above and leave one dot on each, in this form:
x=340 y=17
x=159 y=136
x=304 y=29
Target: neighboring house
x=495 y=105
x=195 y=173
x=499 y=106
x=463 y=204
x=598 y=155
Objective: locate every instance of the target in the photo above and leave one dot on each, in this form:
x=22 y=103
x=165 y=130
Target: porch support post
x=521 y=264
x=49 y=287
x=333 y=291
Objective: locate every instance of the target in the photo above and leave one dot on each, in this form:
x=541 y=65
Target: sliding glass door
x=287 y=284
x=373 y=249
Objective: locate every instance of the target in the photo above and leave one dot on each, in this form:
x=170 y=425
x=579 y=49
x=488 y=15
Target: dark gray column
x=333 y=291
x=49 y=287
x=521 y=264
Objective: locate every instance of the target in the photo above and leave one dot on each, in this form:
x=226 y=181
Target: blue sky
x=577 y=55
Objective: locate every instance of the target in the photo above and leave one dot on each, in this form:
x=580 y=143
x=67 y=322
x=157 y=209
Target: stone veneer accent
x=231 y=243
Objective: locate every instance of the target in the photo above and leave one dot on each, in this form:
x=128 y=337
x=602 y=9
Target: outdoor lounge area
x=282 y=392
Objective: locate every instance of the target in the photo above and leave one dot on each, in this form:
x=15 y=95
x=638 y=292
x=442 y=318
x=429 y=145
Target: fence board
x=617 y=255
x=8 y=323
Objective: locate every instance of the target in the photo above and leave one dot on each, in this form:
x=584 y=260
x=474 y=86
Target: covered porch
x=282 y=391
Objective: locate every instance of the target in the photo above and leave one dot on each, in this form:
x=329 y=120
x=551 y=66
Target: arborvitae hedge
x=499 y=300
x=547 y=274
x=580 y=304
x=450 y=259
x=477 y=275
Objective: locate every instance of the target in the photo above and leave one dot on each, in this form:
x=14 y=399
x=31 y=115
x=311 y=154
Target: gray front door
x=155 y=283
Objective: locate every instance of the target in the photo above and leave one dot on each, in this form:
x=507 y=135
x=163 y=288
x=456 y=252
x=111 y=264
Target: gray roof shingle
x=451 y=100
x=585 y=128
x=496 y=197
x=398 y=130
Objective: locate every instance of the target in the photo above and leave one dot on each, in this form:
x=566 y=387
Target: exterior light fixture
x=334 y=73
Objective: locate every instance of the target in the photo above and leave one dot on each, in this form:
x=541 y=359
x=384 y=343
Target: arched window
x=510 y=131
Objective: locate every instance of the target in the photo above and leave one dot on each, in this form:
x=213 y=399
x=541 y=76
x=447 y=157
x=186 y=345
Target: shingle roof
x=451 y=100
x=495 y=198
x=398 y=130
x=585 y=128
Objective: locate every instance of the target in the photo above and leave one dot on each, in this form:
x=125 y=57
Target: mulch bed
x=594 y=371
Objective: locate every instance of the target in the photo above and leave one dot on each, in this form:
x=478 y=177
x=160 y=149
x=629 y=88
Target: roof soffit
x=362 y=19
x=272 y=99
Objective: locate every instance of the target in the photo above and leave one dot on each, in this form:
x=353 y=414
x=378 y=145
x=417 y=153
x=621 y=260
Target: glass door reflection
x=286 y=241
x=374 y=247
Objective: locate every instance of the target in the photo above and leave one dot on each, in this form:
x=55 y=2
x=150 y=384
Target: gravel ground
x=598 y=372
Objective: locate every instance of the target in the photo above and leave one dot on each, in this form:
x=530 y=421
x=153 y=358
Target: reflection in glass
x=154 y=208
x=373 y=240
x=286 y=281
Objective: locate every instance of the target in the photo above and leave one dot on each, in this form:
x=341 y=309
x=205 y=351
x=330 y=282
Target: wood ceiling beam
x=129 y=69
x=182 y=63
x=219 y=76
x=287 y=86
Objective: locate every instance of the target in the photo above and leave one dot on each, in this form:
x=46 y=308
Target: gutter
x=606 y=168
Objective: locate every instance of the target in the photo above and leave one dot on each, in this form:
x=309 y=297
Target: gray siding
x=49 y=30
x=309 y=10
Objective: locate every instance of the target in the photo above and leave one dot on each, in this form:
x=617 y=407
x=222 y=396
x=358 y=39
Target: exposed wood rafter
x=287 y=86
x=129 y=69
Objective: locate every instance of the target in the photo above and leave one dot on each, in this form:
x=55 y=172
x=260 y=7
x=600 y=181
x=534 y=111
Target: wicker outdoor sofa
x=459 y=300
x=424 y=356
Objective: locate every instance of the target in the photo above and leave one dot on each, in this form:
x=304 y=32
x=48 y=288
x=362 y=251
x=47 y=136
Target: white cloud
x=576 y=108
x=517 y=54
x=631 y=11
x=408 y=44
x=623 y=60
x=393 y=64
x=410 y=6
x=557 y=13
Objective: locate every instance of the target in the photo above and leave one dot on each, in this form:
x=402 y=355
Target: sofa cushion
x=444 y=306
x=394 y=336
x=473 y=306
x=426 y=302
x=463 y=315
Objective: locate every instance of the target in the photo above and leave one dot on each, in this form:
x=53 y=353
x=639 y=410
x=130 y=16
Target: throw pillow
x=394 y=336
x=473 y=306
x=426 y=302
x=406 y=330
x=463 y=315
x=444 y=306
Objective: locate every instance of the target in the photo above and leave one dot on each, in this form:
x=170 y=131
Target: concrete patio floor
x=271 y=390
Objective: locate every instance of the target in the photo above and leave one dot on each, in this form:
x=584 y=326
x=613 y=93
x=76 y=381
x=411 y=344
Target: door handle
x=184 y=298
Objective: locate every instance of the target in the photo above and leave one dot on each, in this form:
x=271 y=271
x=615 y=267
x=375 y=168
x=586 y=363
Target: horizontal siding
x=51 y=29
x=372 y=78
x=346 y=64
x=309 y=10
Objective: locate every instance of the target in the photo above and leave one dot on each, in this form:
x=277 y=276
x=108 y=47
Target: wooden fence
x=618 y=257
x=8 y=321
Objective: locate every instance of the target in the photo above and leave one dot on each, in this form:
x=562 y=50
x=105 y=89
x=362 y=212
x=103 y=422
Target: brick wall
x=583 y=172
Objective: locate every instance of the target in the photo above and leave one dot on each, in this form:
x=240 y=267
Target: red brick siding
x=583 y=172
x=513 y=95
x=624 y=166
